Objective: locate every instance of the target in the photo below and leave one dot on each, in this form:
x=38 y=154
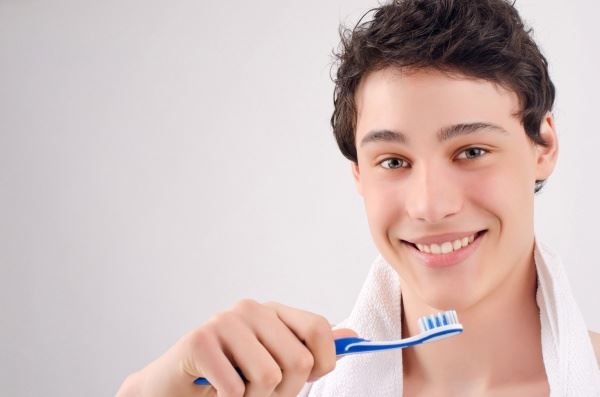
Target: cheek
x=384 y=203
x=487 y=190
x=504 y=192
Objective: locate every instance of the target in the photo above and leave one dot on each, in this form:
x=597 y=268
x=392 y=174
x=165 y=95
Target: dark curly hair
x=484 y=39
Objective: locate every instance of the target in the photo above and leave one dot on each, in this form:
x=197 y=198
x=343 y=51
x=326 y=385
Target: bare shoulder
x=595 y=338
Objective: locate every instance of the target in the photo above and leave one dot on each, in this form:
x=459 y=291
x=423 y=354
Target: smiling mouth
x=446 y=246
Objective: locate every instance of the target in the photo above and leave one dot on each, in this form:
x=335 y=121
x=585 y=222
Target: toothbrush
x=433 y=327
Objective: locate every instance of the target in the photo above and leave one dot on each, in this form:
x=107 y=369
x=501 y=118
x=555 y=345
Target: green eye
x=393 y=163
x=471 y=153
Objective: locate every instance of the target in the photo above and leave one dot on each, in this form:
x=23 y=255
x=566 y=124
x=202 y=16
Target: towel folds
x=568 y=354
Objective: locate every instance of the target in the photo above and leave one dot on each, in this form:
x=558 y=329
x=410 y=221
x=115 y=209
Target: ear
x=546 y=156
x=356 y=175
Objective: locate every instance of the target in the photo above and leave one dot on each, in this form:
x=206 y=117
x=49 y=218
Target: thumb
x=343 y=333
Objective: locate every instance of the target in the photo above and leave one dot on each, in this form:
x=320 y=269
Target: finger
x=258 y=366
x=343 y=333
x=316 y=333
x=293 y=357
x=209 y=361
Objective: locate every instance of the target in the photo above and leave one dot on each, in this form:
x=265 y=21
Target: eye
x=393 y=163
x=471 y=153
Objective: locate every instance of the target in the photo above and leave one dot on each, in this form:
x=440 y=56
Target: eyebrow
x=444 y=134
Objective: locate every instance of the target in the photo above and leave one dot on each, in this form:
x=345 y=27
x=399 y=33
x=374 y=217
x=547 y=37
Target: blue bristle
x=437 y=320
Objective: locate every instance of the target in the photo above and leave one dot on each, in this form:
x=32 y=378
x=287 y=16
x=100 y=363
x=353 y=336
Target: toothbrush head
x=434 y=327
x=440 y=325
x=437 y=320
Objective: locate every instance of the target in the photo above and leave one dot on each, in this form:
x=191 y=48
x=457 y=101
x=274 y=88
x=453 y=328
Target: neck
x=500 y=344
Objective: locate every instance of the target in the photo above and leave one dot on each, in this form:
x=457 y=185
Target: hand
x=277 y=347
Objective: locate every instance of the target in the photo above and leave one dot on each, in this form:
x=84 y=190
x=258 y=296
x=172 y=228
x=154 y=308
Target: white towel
x=568 y=355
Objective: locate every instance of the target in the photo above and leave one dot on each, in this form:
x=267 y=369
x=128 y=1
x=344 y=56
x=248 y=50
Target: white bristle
x=437 y=320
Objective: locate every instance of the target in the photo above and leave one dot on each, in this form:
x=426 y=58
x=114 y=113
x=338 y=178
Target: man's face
x=463 y=170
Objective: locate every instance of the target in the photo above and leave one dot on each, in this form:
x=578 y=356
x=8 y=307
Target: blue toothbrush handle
x=340 y=345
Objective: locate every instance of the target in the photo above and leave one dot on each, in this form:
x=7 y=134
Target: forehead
x=427 y=99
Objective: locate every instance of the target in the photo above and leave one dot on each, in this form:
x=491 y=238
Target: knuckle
x=323 y=366
x=250 y=310
x=193 y=347
x=319 y=326
x=303 y=362
x=272 y=306
x=202 y=336
x=233 y=389
x=270 y=378
x=327 y=364
x=204 y=332
x=245 y=305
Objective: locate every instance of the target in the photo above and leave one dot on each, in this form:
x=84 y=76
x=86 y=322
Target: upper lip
x=441 y=238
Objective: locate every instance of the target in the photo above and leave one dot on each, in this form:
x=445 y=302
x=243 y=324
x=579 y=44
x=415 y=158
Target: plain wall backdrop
x=160 y=160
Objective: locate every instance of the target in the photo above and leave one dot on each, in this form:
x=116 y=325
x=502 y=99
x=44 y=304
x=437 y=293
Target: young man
x=444 y=109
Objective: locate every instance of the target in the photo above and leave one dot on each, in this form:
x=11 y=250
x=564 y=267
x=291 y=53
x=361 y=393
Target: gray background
x=160 y=160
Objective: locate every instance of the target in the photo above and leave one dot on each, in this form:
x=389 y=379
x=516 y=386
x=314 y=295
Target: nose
x=432 y=194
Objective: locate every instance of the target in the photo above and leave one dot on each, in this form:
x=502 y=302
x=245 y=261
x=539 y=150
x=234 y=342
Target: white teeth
x=447 y=246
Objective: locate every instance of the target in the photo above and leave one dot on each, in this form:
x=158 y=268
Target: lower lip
x=449 y=259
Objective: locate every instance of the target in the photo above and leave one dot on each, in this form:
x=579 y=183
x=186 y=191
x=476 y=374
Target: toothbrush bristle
x=438 y=320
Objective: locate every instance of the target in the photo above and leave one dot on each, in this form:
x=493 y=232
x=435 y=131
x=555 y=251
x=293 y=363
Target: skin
x=278 y=348
x=420 y=188
x=424 y=187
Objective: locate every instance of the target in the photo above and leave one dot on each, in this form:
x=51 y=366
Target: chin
x=448 y=298
x=452 y=302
